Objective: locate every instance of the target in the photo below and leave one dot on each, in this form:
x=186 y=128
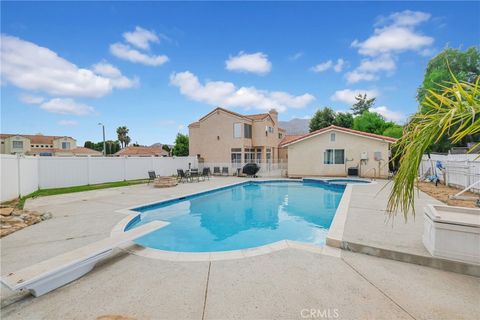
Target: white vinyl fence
x=461 y=170
x=23 y=175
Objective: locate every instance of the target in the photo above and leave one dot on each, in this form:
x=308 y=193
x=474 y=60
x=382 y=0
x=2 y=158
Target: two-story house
x=40 y=145
x=224 y=136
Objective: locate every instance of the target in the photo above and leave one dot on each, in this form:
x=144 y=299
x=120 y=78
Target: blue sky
x=156 y=67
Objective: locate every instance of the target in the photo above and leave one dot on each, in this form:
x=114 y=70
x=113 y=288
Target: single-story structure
x=331 y=151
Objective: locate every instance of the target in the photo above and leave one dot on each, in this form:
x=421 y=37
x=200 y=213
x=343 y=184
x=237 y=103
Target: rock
x=17 y=212
x=6 y=211
x=46 y=216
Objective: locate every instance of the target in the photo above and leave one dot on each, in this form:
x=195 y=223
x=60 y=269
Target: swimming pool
x=243 y=216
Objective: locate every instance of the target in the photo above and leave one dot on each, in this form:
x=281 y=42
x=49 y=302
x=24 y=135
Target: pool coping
x=331 y=248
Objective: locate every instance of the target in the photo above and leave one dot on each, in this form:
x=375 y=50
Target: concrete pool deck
x=287 y=284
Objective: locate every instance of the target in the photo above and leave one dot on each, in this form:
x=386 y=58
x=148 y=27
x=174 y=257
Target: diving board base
x=65 y=276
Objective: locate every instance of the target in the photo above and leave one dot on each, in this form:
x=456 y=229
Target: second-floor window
x=65 y=145
x=247 y=129
x=237 y=130
x=17 y=144
x=280 y=136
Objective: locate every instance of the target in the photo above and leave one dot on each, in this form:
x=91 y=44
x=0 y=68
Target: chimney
x=274 y=114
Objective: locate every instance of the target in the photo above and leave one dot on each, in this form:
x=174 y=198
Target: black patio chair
x=151 y=176
x=225 y=171
x=182 y=176
x=216 y=171
x=194 y=174
x=205 y=174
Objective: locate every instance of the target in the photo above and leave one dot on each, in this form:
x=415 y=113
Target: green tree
x=456 y=115
x=463 y=65
x=371 y=122
x=180 y=148
x=363 y=104
x=89 y=144
x=166 y=147
x=394 y=131
x=343 y=119
x=126 y=141
x=440 y=73
x=122 y=134
x=322 y=118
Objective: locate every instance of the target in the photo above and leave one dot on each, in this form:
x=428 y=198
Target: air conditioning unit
x=364 y=156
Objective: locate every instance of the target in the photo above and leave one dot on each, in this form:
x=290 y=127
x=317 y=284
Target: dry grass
x=442 y=193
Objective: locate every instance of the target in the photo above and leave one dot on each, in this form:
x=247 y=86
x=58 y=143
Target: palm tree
x=122 y=132
x=454 y=113
x=126 y=141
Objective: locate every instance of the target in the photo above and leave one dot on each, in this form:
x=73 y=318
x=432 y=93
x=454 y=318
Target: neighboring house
x=40 y=145
x=141 y=152
x=331 y=151
x=223 y=136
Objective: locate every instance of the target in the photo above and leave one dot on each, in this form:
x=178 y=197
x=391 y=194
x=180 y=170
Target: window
x=237 y=130
x=259 y=155
x=334 y=156
x=17 y=144
x=236 y=156
x=280 y=136
x=247 y=130
x=270 y=129
x=249 y=155
x=332 y=137
x=65 y=145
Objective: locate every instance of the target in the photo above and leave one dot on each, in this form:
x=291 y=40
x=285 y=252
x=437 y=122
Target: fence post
x=88 y=170
x=124 y=168
x=19 y=188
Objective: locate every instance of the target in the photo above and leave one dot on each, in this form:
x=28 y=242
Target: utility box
x=377 y=155
x=364 y=156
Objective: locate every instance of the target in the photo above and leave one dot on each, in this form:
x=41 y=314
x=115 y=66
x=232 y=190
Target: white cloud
x=397 y=34
x=31 y=99
x=296 y=56
x=324 y=66
x=394 y=34
x=348 y=96
x=109 y=71
x=67 y=123
x=249 y=62
x=125 y=52
x=338 y=67
x=31 y=67
x=368 y=69
x=66 y=106
x=141 y=38
x=356 y=76
x=405 y=18
x=226 y=94
x=389 y=114
x=392 y=40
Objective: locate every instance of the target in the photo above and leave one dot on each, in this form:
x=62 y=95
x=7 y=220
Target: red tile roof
x=323 y=130
x=290 y=138
x=142 y=151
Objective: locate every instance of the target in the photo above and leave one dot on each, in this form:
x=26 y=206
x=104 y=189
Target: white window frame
x=16 y=142
x=237 y=130
x=331 y=157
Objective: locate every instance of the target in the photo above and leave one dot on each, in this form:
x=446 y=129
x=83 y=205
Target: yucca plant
x=455 y=112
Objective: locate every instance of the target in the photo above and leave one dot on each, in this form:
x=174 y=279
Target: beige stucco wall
x=306 y=158
x=57 y=143
x=7 y=146
x=212 y=138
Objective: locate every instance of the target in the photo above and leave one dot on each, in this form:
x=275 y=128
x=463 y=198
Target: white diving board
x=50 y=274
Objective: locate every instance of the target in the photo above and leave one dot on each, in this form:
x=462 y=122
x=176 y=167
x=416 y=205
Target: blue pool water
x=243 y=216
